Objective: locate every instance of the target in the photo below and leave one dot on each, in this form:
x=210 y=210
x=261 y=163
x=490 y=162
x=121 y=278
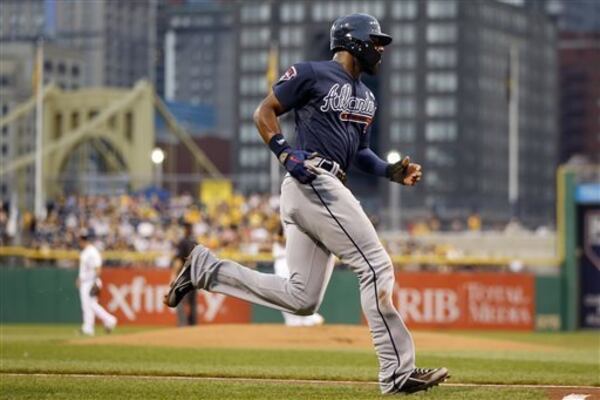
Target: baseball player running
x=281 y=269
x=89 y=285
x=333 y=113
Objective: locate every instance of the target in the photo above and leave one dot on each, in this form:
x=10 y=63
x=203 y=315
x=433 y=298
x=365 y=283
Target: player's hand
x=294 y=164
x=405 y=172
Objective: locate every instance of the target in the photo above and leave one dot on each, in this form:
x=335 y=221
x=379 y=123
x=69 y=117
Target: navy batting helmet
x=359 y=34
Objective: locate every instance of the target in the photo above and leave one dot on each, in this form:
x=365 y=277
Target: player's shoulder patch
x=289 y=74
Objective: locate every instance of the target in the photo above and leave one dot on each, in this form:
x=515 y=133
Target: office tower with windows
x=116 y=38
x=442 y=94
x=63 y=68
x=199 y=59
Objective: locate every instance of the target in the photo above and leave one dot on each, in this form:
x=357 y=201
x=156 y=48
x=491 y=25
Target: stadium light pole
x=393 y=156
x=513 y=130
x=39 y=126
x=158 y=157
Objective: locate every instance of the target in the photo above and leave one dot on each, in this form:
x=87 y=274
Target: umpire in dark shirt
x=186 y=310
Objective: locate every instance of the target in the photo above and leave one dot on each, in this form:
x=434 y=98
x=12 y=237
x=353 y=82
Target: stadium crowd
x=154 y=225
x=142 y=224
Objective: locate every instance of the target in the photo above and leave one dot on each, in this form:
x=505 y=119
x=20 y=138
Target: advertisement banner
x=214 y=191
x=134 y=296
x=589 y=265
x=466 y=300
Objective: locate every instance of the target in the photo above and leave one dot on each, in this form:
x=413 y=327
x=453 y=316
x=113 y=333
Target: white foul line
x=275 y=380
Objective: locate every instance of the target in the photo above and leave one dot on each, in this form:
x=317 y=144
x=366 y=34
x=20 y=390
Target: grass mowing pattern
x=33 y=348
x=110 y=388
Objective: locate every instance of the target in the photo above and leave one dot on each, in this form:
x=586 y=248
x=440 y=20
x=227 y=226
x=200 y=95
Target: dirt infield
x=270 y=336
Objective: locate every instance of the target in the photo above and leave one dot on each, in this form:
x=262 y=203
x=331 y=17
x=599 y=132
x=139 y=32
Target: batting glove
x=292 y=160
x=404 y=172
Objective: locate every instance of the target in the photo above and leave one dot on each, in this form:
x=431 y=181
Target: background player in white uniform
x=334 y=111
x=89 y=284
x=281 y=269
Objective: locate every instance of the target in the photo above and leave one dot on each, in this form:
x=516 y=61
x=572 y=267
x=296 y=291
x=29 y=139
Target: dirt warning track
x=271 y=336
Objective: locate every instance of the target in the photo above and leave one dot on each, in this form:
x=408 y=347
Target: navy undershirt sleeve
x=367 y=161
x=365 y=138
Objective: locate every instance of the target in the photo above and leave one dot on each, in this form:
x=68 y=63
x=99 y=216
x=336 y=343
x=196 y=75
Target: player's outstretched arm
x=403 y=172
x=367 y=161
x=265 y=118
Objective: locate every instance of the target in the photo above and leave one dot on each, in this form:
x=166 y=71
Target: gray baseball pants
x=323 y=219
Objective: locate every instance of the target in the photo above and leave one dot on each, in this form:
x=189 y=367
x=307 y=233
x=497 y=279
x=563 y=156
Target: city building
x=198 y=58
x=574 y=15
x=86 y=43
x=181 y=172
x=22 y=20
x=579 y=57
x=578 y=23
x=62 y=67
x=442 y=95
x=116 y=38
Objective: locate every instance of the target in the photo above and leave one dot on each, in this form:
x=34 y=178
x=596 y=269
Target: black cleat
x=423 y=379
x=181 y=286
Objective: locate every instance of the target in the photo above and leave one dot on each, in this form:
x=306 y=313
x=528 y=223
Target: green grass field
x=36 y=361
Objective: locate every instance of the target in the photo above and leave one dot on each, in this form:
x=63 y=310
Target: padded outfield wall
x=425 y=299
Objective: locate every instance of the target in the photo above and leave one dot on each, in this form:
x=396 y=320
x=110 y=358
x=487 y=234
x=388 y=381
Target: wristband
x=280 y=147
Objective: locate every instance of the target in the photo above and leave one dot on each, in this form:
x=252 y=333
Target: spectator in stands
x=3 y=226
x=474 y=222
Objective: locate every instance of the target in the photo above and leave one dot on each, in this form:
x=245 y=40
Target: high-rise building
x=22 y=20
x=62 y=67
x=578 y=23
x=579 y=55
x=117 y=38
x=86 y=43
x=198 y=61
x=442 y=95
x=575 y=15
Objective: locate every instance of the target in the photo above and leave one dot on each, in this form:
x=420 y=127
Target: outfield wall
x=38 y=295
x=425 y=299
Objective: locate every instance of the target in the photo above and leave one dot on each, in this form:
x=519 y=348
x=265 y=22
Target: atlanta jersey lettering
x=333 y=111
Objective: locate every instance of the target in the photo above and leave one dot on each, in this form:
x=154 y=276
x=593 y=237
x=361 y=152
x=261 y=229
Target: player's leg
x=314 y=272
x=193 y=311
x=301 y=293
x=280 y=269
x=338 y=220
x=295 y=263
x=184 y=309
x=108 y=320
x=180 y=311
x=87 y=328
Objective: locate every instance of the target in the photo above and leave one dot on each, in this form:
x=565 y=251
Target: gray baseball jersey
x=323 y=219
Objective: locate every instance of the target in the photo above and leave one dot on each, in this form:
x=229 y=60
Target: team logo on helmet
x=289 y=74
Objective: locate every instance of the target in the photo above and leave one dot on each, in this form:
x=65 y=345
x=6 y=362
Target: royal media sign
x=466 y=300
